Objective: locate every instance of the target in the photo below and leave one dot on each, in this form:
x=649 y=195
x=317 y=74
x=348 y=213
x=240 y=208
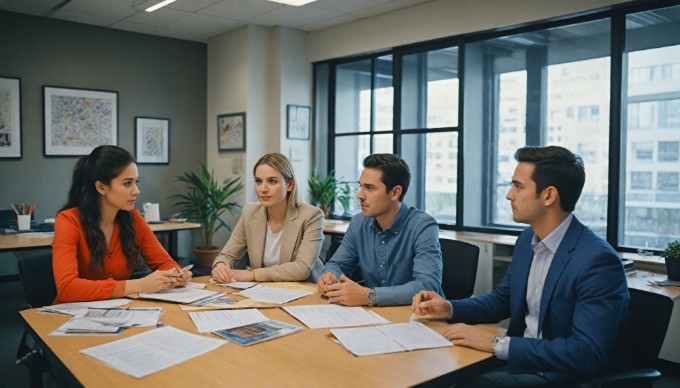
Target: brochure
x=258 y=332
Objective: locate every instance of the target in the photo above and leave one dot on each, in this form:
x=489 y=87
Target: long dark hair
x=103 y=164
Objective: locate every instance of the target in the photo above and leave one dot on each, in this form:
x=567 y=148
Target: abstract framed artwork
x=298 y=122
x=10 y=118
x=231 y=132
x=78 y=120
x=152 y=140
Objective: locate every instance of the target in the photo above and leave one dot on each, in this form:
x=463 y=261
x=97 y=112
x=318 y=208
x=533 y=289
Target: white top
x=272 y=248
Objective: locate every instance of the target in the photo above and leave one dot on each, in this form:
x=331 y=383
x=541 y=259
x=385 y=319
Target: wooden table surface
x=306 y=358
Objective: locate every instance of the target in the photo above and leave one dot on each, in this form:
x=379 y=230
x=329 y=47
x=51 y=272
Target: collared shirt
x=397 y=262
x=544 y=251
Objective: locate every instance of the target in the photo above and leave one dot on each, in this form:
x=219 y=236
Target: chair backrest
x=37 y=279
x=460 y=268
x=649 y=315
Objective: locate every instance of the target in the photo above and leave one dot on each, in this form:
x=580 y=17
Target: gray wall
x=154 y=76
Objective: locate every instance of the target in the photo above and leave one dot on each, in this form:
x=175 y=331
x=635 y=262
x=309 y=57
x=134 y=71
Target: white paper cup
x=24 y=222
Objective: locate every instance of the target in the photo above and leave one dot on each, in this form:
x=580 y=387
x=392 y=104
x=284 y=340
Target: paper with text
x=209 y=321
x=332 y=315
x=273 y=294
x=152 y=351
x=397 y=337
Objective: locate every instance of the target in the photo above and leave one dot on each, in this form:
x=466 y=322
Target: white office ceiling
x=199 y=20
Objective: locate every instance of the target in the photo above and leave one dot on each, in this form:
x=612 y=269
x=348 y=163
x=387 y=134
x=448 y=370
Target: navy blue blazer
x=583 y=314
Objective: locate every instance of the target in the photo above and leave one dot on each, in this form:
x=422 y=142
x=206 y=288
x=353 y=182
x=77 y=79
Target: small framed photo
x=78 y=120
x=298 y=122
x=152 y=140
x=10 y=117
x=231 y=132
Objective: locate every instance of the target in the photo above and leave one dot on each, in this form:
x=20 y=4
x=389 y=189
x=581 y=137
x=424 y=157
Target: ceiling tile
x=117 y=9
x=347 y=6
x=84 y=18
x=134 y=27
x=31 y=7
x=192 y=5
x=295 y=17
x=159 y=18
x=329 y=22
x=241 y=9
x=204 y=25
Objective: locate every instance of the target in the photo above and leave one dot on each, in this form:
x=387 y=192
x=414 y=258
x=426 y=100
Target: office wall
x=154 y=76
x=436 y=19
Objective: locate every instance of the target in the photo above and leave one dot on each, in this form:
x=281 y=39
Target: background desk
x=29 y=241
x=306 y=358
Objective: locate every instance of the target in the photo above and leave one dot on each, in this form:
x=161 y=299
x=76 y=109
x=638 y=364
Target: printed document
x=209 y=321
x=333 y=315
x=180 y=295
x=73 y=308
x=152 y=351
x=273 y=294
x=397 y=337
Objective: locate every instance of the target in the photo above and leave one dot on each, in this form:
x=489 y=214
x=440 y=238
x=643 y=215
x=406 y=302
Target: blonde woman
x=281 y=234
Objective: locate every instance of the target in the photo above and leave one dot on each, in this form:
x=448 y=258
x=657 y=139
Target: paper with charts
x=397 y=337
x=152 y=351
x=333 y=315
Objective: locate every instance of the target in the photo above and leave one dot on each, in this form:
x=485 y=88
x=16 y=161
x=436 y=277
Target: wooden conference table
x=306 y=358
x=29 y=241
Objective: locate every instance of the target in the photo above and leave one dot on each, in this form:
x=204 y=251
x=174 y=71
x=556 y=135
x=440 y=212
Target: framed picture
x=298 y=122
x=78 y=120
x=10 y=117
x=231 y=132
x=152 y=140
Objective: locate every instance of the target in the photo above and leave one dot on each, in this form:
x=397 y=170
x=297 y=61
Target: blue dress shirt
x=397 y=262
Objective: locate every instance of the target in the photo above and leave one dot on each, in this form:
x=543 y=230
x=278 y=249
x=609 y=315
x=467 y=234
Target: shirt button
x=382 y=242
x=383 y=282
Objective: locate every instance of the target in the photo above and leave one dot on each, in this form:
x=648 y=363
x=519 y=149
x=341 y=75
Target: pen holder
x=23 y=222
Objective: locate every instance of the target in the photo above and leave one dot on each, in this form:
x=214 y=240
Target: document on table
x=82 y=326
x=209 y=321
x=180 y=295
x=73 y=308
x=152 y=351
x=238 y=285
x=397 y=337
x=333 y=315
x=273 y=294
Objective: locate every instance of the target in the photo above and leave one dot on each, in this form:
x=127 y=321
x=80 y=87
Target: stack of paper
x=333 y=315
x=73 y=308
x=109 y=321
x=180 y=295
x=143 y=354
x=238 y=285
x=397 y=337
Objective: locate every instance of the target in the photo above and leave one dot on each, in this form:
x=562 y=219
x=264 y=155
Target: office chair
x=37 y=280
x=460 y=268
x=649 y=315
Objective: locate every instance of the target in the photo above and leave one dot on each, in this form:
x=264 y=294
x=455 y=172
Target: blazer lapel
x=521 y=262
x=289 y=238
x=560 y=260
x=258 y=233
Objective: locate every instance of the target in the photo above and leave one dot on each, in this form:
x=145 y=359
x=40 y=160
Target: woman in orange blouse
x=100 y=238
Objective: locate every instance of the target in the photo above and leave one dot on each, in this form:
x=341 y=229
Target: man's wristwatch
x=494 y=342
x=372 y=299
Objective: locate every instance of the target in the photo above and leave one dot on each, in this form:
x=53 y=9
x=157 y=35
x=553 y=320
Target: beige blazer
x=300 y=243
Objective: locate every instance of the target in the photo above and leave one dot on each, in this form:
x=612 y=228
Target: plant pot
x=324 y=209
x=673 y=268
x=206 y=255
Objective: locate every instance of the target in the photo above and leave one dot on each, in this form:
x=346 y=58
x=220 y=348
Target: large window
x=651 y=102
x=458 y=127
x=547 y=87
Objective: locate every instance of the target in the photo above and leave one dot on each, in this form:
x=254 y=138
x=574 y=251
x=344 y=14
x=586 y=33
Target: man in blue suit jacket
x=565 y=291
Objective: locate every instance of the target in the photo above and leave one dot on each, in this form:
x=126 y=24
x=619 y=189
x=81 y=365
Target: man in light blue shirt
x=396 y=246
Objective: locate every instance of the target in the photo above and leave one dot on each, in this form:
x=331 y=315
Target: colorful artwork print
x=10 y=118
x=231 y=132
x=77 y=121
x=152 y=140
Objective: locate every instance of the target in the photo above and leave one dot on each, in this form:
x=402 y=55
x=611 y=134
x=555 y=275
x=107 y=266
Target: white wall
x=435 y=19
x=259 y=71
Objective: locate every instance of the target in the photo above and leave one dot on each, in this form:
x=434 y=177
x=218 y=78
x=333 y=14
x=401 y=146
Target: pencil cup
x=24 y=222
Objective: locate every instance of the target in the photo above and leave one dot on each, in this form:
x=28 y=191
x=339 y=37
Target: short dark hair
x=556 y=166
x=394 y=171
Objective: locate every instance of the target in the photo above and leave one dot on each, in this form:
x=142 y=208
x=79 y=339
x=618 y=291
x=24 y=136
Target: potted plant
x=672 y=256
x=205 y=201
x=323 y=191
x=345 y=193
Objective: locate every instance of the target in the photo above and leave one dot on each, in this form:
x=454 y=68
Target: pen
x=188 y=267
